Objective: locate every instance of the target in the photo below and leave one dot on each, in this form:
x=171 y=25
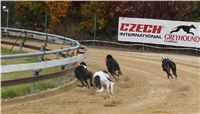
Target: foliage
x=169 y=10
x=63 y=14
x=193 y=11
x=56 y=12
x=88 y=11
x=30 y=14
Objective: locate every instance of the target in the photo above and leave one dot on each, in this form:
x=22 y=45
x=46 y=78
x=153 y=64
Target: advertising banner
x=165 y=32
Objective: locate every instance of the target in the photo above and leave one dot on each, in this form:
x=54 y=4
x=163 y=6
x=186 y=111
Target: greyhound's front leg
x=114 y=77
x=107 y=90
x=191 y=33
x=87 y=84
x=111 y=88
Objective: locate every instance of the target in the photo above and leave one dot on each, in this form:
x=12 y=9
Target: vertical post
x=45 y=23
x=143 y=47
x=32 y=85
x=196 y=52
x=46 y=29
x=60 y=68
x=42 y=49
x=22 y=42
x=95 y=19
x=57 y=55
x=7 y=18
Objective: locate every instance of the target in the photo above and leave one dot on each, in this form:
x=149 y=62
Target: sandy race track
x=143 y=88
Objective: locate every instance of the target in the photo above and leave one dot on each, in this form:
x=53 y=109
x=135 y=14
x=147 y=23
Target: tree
x=80 y=15
x=193 y=10
x=106 y=17
x=30 y=14
x=168 y=10
x=57 y=11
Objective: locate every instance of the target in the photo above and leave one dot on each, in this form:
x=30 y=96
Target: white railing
x=44 y=64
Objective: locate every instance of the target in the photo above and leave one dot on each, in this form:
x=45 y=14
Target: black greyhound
x=113 y=66
x=83 y=74
x=185 y=28
x=167 y=64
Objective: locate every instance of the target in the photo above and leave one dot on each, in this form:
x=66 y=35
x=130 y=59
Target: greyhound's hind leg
x=174 y=72
x=115 y=78
x=169 y=75
x=175 y=76
x=177 y=29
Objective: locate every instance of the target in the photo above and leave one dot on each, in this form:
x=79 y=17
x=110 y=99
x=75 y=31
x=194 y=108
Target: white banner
x=176 y=33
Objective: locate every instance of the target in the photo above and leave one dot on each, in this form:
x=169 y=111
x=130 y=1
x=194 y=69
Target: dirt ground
x=143 y=88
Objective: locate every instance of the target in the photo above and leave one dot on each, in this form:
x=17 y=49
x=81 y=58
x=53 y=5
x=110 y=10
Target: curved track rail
x=40 y=65
x=69 y=61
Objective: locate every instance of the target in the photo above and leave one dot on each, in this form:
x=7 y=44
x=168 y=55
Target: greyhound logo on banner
x=176 y=33
x=185 y=28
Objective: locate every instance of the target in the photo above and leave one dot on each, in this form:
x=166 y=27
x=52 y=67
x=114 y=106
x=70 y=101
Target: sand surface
x=143 y=88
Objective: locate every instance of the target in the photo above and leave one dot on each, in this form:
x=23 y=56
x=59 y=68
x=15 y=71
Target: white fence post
x=32 y=85
x=42 y=49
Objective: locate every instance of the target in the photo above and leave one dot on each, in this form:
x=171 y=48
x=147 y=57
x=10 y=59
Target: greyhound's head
x=109 y=56
x=192 y=26
x=83 y=63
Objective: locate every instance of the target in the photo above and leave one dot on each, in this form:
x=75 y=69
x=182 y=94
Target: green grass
x=18 y=60
x=23 y=89
x=21 y=74
x=15 y=75
x=7 y=51
x=24 y=74
x=43 y=85
x=13 y=91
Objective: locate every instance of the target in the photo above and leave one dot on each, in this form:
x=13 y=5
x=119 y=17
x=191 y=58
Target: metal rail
x=67 y=61
x=5 y=83
x=44 y=64
x=39 y=35
x=145 y=45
